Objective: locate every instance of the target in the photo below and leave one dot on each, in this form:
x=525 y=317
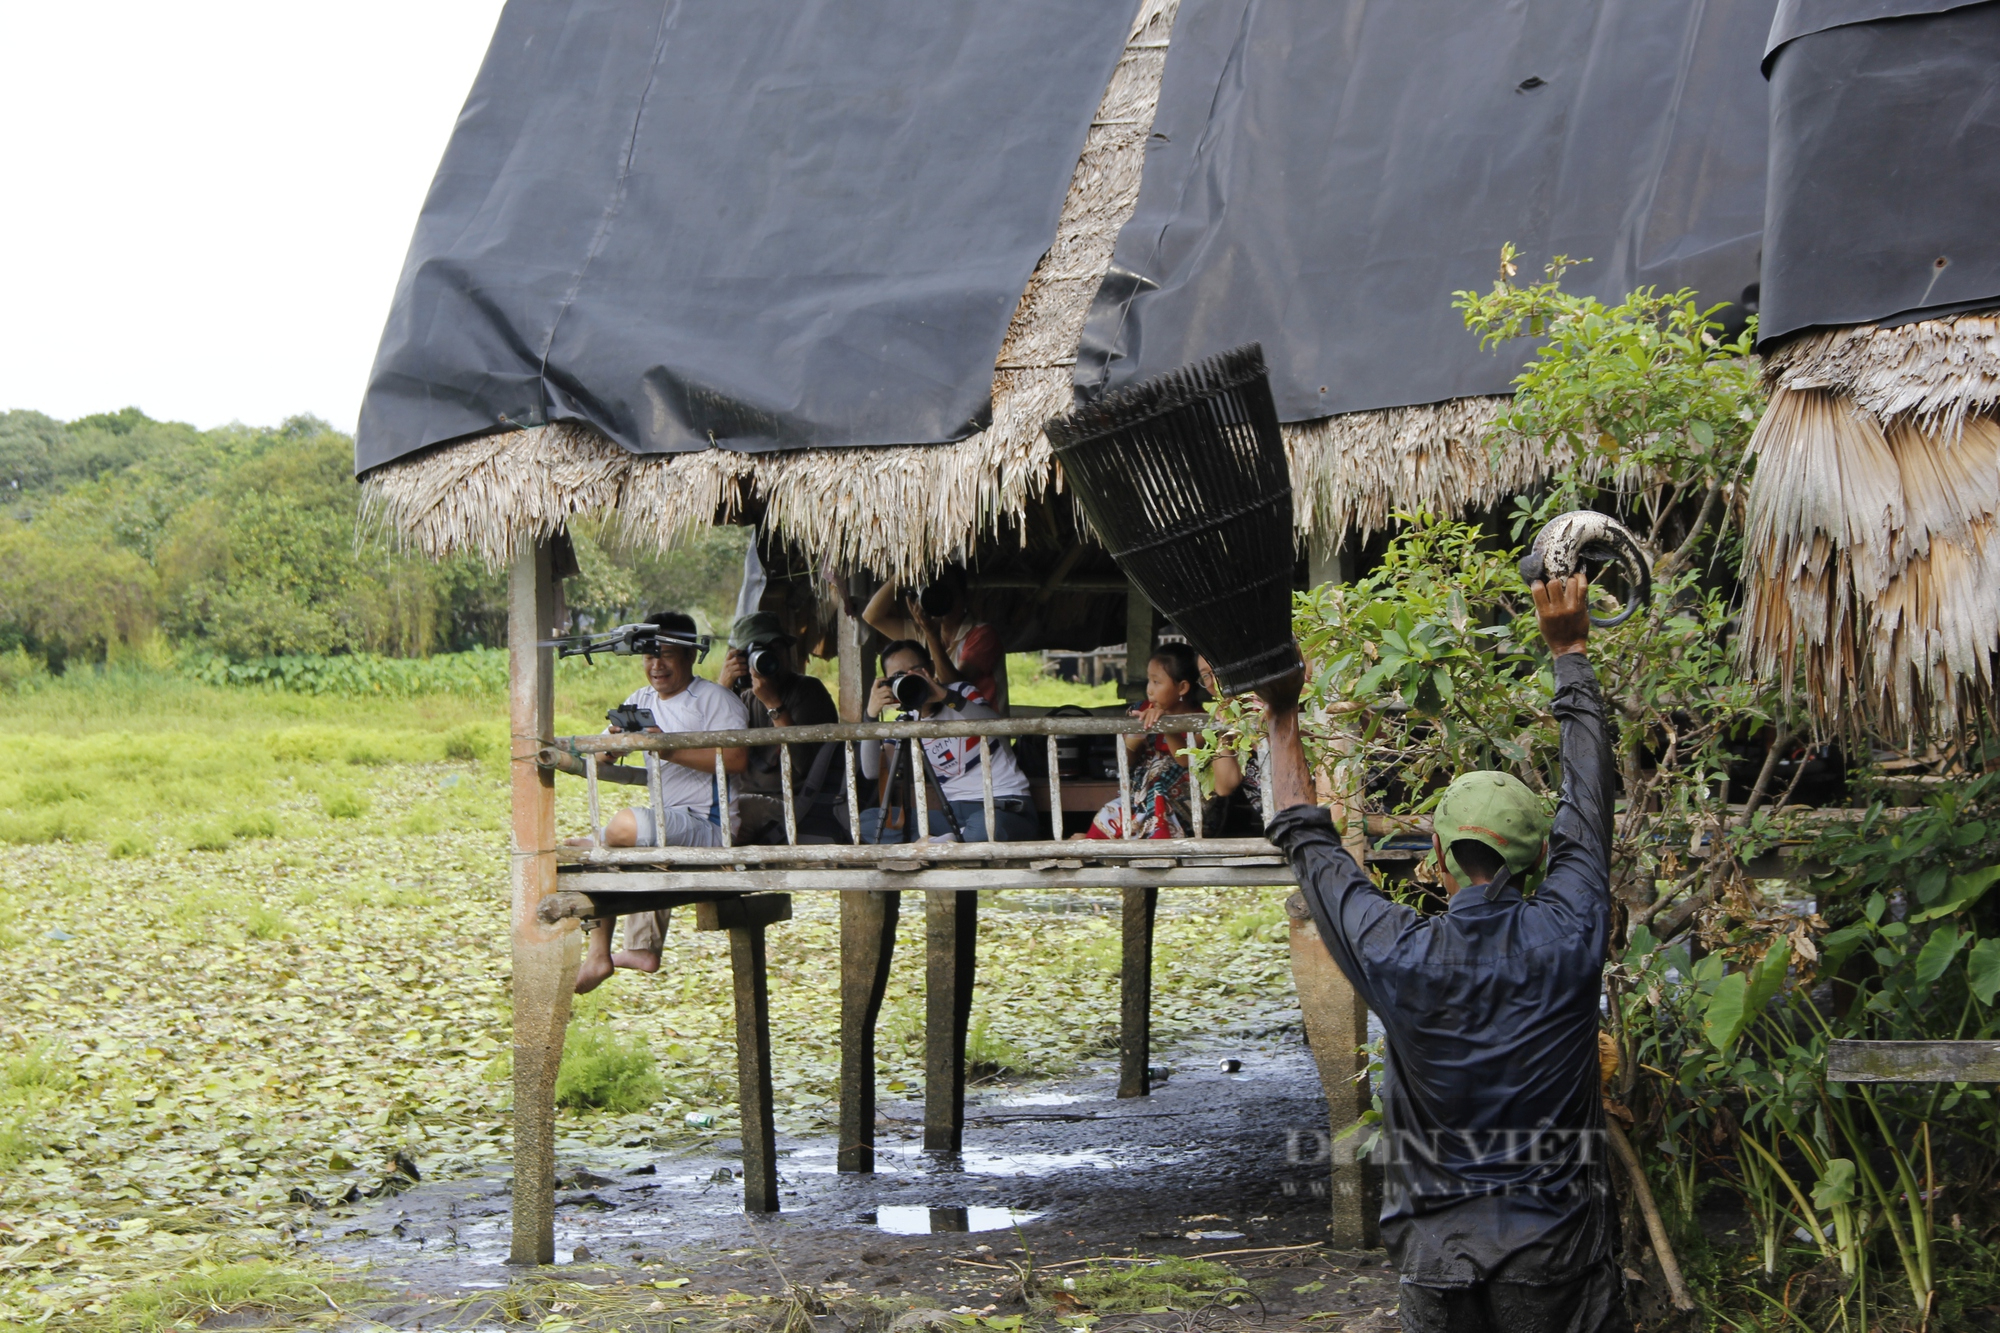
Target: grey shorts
x=646 y=932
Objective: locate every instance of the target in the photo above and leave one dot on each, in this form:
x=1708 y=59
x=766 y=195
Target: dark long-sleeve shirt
x=1494 y=1161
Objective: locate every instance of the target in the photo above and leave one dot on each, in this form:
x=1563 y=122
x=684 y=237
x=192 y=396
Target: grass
x=224 y=1288
x=1166 y=1284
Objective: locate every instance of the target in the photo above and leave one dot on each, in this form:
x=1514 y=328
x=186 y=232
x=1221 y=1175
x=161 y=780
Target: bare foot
x=639 y=960
x=580 y=842
x=593 y=972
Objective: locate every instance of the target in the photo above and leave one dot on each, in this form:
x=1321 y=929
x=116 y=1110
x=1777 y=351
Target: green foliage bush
x=343 y=803
x=605 y=1070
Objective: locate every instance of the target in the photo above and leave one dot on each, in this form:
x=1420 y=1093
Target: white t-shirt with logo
x=702 y=706
x=956 y=758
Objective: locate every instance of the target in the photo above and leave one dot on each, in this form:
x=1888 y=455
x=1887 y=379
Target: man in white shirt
x=692 y=807
x=954 y=761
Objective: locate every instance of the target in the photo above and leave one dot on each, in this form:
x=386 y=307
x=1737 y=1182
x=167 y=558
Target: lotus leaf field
x=255 y=949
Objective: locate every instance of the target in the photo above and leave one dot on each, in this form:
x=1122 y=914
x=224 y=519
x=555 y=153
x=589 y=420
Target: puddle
x=910 y=1220
x=977 y=1163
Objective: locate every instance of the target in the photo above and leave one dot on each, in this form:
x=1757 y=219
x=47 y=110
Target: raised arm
x=1580 y=842
x=884 y=613
x=1359 y=925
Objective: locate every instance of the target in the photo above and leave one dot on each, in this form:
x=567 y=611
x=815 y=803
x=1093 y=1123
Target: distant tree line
x=128 y=539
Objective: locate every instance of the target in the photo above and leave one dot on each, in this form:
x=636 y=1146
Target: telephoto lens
x=910 y=690
x=937 y=599
x=765 y=661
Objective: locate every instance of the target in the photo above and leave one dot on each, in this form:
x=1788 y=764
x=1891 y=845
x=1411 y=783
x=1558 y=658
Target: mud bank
x=1220 y=1163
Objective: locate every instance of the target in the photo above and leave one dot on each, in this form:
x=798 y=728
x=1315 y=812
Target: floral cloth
x=1159 y=798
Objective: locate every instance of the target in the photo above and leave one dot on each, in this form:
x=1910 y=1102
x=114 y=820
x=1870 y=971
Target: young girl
x=1160 y=787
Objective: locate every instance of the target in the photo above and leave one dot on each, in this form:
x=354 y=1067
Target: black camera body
x=631 y=717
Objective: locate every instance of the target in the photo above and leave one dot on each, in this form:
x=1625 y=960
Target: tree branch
x=1779 y=740
x=1673 y=564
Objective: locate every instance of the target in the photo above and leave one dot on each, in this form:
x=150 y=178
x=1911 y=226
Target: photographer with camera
x=761 y=669
x=672 y=699
x=967 y=651
x=911 y=686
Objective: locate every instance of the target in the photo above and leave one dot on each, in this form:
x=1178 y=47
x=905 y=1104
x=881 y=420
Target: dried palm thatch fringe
x=1937 y=371
x=1872 y=561
x=1351 y=472
x=897 y=511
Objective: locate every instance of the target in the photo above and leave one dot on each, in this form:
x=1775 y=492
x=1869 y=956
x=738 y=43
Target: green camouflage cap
x=1496 y=809
x=757 y=627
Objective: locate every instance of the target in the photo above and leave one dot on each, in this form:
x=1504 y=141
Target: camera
x=910 y=689
x=937 y=599
x=766 y=659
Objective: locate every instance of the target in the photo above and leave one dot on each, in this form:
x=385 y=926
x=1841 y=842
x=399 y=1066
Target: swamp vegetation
x=256 y=964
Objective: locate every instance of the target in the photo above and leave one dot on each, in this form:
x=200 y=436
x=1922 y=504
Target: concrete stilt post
x=545 y=956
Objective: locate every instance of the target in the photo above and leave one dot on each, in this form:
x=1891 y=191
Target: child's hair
x=1178 y=660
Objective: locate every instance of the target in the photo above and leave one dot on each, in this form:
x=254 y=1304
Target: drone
x=629 y=641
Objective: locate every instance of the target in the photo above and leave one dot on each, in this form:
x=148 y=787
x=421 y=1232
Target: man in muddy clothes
x=1496 y=1201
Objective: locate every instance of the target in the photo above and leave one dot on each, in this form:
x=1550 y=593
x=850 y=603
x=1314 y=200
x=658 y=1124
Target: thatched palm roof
x=895 y=511
x=1873 y=557
x=899 y=512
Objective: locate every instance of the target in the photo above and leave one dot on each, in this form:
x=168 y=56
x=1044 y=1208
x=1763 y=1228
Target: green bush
x=253 y=824
x=208 y=836
x=39 y=1069
x=263 y=922
x=129 y=844
x=469 y=742
x=987 y=1052
x=343 y=804
x=603 y=1070
x=21 y=672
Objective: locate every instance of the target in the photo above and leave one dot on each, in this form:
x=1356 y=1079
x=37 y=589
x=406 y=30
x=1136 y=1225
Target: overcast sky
x=207 y=203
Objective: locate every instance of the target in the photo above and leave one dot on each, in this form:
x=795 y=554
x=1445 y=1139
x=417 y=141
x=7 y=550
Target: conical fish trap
x=1184 y=477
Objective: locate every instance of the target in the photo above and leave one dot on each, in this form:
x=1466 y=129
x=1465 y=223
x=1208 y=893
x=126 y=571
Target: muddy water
x=1211 y=1161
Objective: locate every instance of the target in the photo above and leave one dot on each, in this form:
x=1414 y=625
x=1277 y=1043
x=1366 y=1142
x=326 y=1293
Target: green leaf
x=1877 y=904
x=1442 y=679
x=1726 y=1010
x=1965 y=890
x=1930 y=883
x=1937 y=953
x=1982 y=969
x=1835 y=947
x=1767 y=978
x=1707 y=972
x=1704 y=434
x=1835 y=1185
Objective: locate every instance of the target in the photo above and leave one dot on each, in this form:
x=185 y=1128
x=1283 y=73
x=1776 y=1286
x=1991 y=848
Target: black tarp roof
x=1324 y=175
x=1885 y=163
x=757 y=223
